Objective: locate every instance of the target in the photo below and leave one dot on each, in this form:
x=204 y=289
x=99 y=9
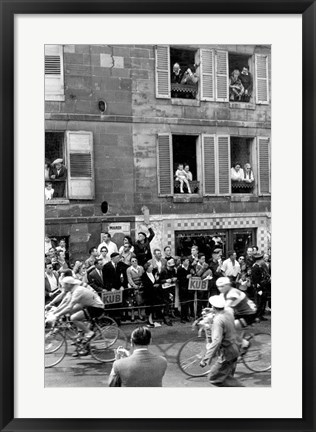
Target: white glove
x=260 y=292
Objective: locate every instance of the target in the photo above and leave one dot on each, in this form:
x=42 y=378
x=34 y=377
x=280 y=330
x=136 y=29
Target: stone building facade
x=122 y=128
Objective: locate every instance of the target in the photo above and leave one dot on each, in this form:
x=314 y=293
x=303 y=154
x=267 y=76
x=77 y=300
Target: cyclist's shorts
x=246 y=320
x=92 y=312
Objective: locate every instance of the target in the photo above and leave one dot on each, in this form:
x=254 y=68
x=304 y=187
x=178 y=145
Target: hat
x=70 y=280
x=217 y=301
x=56 y=161
x=141 y=232
x=216 y=250
x=222 y=281
x=114 y=254
x=257 y=256
x=171 y=262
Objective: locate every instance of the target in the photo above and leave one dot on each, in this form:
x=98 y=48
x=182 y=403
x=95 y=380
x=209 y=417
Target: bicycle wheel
x=190 y=355
x=55 y=347
x=257 y=358
x=109 y=328
x=99 y=347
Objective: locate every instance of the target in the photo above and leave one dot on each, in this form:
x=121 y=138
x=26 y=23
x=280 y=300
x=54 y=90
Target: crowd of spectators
x=155 y=284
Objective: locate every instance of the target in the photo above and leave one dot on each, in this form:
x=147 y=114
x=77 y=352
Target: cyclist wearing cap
x=244 y=308
x=223 y=347
x=83 y=303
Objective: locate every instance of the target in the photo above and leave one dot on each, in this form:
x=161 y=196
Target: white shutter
x=262 y=79
x=222 y=79
x=163 y=77
x=223 y=163
x=209 y=164
x=80 y=165
x=264 y=165
x=164 y=165
x=54 y=72
x=207 y=75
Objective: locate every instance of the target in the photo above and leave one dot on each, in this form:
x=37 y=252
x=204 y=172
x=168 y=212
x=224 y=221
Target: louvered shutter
x=207 y=75
x=54 y=73
x=264 y=165
x=223 y=161
x=262 y=79
x=164 y=165
x=162 y=72
x=80 y=165
x=221 y=63
x=209 y=165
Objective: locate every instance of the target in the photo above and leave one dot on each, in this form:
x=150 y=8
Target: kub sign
x=109 y=297
x=197 y=284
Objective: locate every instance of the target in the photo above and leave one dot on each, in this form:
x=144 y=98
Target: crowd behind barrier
x=136 y=283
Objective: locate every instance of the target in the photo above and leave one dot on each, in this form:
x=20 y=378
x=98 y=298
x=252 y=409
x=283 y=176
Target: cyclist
x=82 y=303
x=244 y=308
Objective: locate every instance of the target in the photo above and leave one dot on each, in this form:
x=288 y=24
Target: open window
x=240 y=78
x=242 y=161
x=55 y=169
x=184 y=148
x=184 y=73
x=69 y=171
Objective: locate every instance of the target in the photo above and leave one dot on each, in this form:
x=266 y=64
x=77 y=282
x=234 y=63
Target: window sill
x=52 y=98
x=244 y=198
x=242 y=105
x=57 y=201
x=186 y=102
x=187 y=198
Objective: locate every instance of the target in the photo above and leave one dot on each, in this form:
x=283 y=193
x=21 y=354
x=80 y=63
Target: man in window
x=59 y=175
x=247 y=82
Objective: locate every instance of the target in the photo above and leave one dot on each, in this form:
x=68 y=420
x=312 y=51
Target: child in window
x=49 y=191
x=182 y=177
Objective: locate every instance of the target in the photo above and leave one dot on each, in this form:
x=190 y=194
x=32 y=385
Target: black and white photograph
x=157 y=193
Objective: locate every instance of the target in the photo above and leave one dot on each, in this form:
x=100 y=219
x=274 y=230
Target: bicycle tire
x=109 y=328
x=257 y=358
x=190 y=355
x=55 y=347
x=99 y=348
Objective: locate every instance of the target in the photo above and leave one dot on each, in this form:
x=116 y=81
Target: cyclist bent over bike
x=244 y=308
x=83 y=303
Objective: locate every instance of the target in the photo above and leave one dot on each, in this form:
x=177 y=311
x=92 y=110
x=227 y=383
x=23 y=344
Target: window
x=54 y=73
x=69 y=165
x=213 y=70
x=242 y=169
x=211 y=159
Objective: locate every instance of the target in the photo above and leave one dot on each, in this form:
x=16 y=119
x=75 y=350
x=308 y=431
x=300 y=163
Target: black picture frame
x=8 y=10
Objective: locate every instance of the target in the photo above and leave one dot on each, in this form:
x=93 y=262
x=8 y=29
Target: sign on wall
x=197 y=284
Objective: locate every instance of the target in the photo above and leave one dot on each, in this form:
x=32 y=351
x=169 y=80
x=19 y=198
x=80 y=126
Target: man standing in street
x=140 y=369
x=142 y=247
x=223 y=346
x=157 y=261
x=95 y=277
x=93 y=256
x=215 y=264
x=110 y=245
x=261 y=281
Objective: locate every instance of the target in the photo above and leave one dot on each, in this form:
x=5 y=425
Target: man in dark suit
x=59 y=175
x=111 y=273
x=95 y=277
x=142 y=368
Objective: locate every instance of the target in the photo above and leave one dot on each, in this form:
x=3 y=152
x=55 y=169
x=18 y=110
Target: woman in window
x=248 y=174
x=236 y=89
x=237 y=173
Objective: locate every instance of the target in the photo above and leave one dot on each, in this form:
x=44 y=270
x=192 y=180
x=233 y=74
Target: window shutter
x=207 y=75
x=162 y=72
x=262 y=79
x=222 y=76
x=223 y=160
x=54 y=72
x=264 y=165
x=209 y=166
x=80 y=165
x=164 y=164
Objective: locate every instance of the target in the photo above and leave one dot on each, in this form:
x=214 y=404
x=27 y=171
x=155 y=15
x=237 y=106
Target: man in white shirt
x=106 y=241
x=230 y=266
x=157 y=261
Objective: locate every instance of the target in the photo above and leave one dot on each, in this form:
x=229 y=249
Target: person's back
x=141 y=369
